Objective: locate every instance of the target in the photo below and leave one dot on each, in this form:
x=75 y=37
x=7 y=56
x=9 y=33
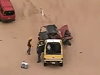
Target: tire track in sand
x=29 y=9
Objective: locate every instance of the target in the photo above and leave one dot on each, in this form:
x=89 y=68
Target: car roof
x=6 y=5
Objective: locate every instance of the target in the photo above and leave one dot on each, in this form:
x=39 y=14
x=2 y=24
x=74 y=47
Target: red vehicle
x=7 y=12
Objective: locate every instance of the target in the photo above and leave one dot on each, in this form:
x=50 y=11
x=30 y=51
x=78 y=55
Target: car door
x=63 y=30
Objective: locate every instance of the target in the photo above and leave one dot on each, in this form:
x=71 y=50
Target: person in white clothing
x=42 y=12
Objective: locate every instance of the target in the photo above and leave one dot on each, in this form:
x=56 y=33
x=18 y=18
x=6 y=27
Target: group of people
x=40 y=48
x=41 y=44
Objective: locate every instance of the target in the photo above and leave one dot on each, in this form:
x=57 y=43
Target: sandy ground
x=83 y=18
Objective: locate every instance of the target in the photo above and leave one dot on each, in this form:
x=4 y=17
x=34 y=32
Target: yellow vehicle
x=53 y=52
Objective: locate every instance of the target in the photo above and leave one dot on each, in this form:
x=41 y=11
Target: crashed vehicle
x=52 y=32
x=54 y=39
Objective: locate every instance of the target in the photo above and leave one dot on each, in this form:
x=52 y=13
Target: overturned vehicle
x=52 y=32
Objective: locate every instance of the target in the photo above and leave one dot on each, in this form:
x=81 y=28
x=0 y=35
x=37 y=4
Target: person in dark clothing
x=29 y=46
x=40 y=49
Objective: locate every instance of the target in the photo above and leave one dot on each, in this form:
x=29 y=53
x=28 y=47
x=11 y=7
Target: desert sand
x=83 y=19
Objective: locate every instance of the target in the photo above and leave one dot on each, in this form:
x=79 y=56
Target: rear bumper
x=53 y=61
x=6 y=21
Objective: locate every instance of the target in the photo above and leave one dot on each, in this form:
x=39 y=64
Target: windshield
x=53 y=48
x=9 y=13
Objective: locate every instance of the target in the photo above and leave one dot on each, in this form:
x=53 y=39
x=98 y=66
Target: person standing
x=40 y=49
x=42 y=12
x=29 y=46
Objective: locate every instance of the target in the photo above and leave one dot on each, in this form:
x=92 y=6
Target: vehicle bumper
x=53 y=62
x=9 y=20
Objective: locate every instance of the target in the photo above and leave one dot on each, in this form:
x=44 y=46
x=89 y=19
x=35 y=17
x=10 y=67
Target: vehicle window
x=53 y=48
x=8 y=13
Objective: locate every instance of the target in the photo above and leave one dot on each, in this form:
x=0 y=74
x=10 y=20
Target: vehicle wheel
x=67 y=42
x=45 y=64
x=60 y=64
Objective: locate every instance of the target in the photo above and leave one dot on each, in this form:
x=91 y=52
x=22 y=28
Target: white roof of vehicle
x=53 y=40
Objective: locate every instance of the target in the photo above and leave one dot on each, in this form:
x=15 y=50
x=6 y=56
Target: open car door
x=65 y=35
x=62 y=30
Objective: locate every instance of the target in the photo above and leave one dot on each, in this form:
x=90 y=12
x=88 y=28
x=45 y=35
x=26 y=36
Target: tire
x=61 y=64
x=45 y=64
x=67 y=42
